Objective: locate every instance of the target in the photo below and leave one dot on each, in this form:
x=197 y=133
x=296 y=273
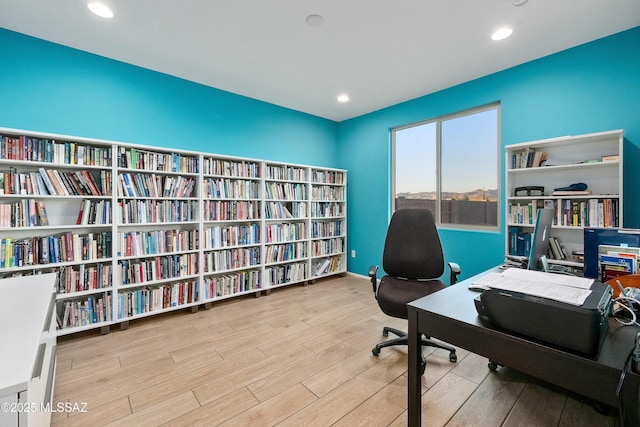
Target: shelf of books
x=286 y=249
x=56 y=216
x=232 y=227
x=157 y=230
x=134 y=231
x=328 y=222
x=579 y=177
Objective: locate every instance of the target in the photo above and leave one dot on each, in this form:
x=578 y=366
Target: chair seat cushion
x=394 y=294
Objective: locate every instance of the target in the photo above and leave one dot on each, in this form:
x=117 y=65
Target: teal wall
x=51 y=88
x=590 y=88
x=594 y=87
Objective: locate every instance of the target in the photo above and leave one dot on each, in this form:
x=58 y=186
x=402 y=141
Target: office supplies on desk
x=567 y=289
x=516 y=261
x=484 y=282
x=478 y=287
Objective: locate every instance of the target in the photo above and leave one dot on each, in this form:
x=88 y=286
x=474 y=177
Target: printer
x=576 y=328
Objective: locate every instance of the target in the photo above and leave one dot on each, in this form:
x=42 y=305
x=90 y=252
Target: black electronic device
x=577 y=328
x=538 y=190
x=540 y=239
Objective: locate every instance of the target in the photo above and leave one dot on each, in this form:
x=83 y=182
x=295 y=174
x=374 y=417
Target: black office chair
x=413 y=261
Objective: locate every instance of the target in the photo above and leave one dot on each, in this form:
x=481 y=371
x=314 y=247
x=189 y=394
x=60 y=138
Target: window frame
x=438 y=121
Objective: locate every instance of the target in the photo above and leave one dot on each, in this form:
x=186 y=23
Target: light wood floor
x=300 y=356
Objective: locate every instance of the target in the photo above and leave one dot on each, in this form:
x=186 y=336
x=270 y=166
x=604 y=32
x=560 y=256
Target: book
x=45 y=178
x=33 y=213
x=628 y=263
x=571 y=192
x=43 y=218
x=611 y=157
x=92 y=182
x=617 y=260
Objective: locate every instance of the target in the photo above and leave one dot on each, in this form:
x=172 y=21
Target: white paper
x=540 y=276
x=558 y=287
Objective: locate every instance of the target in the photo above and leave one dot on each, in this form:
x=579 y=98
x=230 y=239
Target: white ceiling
x=380 y=52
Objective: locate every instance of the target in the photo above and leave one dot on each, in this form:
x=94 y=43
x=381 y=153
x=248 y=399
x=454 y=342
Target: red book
x=92 y=183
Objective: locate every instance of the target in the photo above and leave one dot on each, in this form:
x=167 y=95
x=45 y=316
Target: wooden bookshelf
x=134 y=230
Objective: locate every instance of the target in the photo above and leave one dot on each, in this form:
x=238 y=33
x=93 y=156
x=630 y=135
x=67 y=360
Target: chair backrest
x=412 y=249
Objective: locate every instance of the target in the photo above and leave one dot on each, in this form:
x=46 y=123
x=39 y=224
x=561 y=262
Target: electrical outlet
x=353 y=253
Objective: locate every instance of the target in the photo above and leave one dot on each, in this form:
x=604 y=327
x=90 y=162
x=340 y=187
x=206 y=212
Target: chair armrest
x=455 y=272
x=373 y=274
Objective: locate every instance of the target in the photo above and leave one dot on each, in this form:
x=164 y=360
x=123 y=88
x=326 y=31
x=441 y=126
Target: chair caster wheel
x=492 y=366
x=453 y=357
x=423 y=366
x=375 y=351
x=385 y=333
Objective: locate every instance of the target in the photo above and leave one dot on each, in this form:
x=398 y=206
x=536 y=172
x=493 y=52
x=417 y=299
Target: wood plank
x=160 y=413
x=219 y=387
x=392 y=397
x=285 y=378
x=218 y=411
x=331 y=407
x=301 y=356
x=187 y=379
x=95 y=415
x=535 y=396
x=492 y=401
x=274 y=410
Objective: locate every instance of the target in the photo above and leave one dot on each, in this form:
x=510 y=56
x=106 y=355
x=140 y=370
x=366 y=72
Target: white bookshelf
x=594 y=159
x=232 y=227
x=328 y=219
x=286 y=255
x=156 y=228
x=170 y=229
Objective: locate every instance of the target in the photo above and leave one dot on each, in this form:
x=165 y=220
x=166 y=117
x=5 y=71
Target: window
x=451 y=166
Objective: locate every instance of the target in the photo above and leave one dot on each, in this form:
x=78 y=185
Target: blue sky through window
x=469 y=155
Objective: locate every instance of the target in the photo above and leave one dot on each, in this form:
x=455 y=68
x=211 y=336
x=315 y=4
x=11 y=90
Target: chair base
x=403 y=339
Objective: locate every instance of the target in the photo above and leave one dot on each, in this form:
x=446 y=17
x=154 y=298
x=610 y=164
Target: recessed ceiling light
x=100 y=9
x=501 y=33
x=315 y=20
x=343 y=98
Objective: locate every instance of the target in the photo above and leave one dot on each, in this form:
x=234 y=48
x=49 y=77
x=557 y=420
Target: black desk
x=450 y=316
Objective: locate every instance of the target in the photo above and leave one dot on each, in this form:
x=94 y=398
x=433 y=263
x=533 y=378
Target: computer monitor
x=540 y=240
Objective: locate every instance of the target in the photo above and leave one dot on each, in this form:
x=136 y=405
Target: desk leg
x=413 y=389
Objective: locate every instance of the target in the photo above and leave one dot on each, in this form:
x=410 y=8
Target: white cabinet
x=593 y=159
x=28 y=357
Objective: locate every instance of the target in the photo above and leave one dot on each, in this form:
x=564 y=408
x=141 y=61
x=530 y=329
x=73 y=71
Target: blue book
x=513 y=235
x=628 y=263
x=527 y=244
